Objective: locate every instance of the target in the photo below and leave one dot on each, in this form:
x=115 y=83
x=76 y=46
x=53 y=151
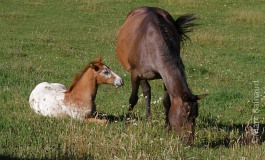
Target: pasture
x=52 y=40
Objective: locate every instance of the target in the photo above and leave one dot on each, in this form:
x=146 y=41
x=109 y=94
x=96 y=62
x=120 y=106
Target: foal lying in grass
x=78 y=101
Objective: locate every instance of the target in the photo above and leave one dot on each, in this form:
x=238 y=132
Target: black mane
x=184 y=24
x=171 y=44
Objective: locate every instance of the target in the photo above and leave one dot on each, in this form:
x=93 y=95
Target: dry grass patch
x=247 y=16
x=186 y=3
x=208 y=37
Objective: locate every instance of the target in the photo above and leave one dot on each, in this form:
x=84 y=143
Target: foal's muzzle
x=118 y=82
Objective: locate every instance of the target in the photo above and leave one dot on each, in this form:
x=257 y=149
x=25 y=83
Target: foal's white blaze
x=48 y=99
x=107 y=73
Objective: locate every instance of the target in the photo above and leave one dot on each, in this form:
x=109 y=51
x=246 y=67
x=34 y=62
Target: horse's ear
x=93 y=66
x=199 y=97
x=99 y=58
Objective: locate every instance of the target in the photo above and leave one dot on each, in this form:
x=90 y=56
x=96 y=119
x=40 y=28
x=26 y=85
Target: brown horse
x=55 y=100
x=148 y=47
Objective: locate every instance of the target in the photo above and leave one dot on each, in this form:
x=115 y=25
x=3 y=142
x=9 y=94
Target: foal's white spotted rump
x=48 y=99
x=55 y=100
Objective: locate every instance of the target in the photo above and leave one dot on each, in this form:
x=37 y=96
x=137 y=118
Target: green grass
x=52 y=40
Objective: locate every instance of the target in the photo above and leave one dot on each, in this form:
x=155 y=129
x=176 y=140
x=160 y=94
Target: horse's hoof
x=168 y=128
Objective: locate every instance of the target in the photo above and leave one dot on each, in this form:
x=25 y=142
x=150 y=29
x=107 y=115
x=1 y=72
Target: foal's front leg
x=147 y=96
x=95 y=120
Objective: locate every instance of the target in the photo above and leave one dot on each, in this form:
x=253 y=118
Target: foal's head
x=182 y=115
x=104 y=75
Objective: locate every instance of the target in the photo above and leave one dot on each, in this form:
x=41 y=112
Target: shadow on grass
x=120 y=118
x=242 y=134
x=8 y=157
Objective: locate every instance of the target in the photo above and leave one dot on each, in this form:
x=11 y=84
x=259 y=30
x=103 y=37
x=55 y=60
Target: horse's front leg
x=135 y=82
x=147 y=96
x=167 y=105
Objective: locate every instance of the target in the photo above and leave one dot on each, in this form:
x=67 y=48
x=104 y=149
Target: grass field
x=52 y=40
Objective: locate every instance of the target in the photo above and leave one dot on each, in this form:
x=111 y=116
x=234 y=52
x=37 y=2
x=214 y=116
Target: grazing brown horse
x=55 y=100
x=148 y=47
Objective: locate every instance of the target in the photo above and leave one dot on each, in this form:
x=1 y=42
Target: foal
x=55 y=100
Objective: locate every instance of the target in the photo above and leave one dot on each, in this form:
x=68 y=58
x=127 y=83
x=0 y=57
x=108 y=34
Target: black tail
x=185 y=24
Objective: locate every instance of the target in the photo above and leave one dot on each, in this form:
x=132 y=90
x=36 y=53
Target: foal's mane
x=80 y=75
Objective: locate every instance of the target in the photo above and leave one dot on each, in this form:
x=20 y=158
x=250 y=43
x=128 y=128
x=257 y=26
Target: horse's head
x=104 y=74
x=182 y=114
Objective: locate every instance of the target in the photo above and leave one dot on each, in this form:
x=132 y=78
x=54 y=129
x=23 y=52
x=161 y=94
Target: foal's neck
x=85 y=89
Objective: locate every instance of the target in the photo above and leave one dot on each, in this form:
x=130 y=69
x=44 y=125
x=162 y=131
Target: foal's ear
x=199 y=97
x=94 y=66
x=99 y=58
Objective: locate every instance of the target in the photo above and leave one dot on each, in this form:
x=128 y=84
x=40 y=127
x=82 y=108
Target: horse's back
x=147 y=10
x=138 y=34
x=47 y=99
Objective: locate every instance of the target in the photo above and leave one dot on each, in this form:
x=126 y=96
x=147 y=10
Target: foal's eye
x=105 y=72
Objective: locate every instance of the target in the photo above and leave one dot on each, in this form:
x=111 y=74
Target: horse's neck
x=175 y=82
x=85 y=89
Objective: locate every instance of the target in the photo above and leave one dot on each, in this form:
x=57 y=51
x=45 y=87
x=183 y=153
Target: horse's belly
x=149 y=75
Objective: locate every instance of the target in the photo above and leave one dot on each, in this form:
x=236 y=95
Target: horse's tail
x=185 y=24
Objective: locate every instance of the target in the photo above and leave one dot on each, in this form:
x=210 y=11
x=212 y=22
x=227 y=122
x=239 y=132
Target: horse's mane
x=79 y=76
x=183 y=26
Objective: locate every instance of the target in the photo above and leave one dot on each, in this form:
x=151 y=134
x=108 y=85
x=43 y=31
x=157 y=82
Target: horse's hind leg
x=135 y=82
x=147 y=96
x=167 y=105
